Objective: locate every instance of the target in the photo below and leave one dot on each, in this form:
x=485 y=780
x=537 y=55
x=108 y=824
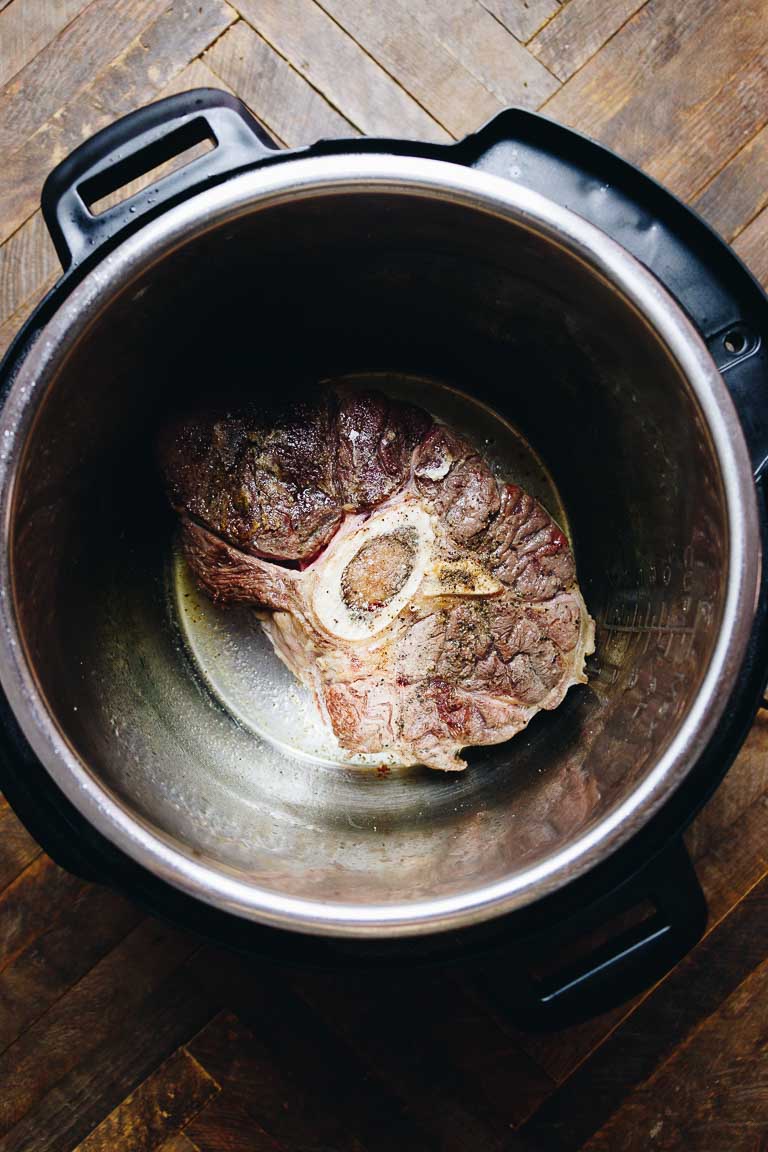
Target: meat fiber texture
x=428 y=606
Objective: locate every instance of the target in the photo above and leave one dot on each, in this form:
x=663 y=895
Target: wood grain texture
x=712 y=1092
x=577 y=31
x=164 y=1103
x=714 y=131
x=164 y=1000
x=195 y=75
x=752 y=246
x=180 y=1143
x=616 y=76
x=255 y=1084
x=90 y=1011
x=279 y=96
x=29 y=265
x=333 y=63
x=278 y=1064
x=632 y=1053
x=736 y=860
x=147 y=65
x=17 y=848
x=739 y=190
x=26 y=28
x=88 y=926
x=745 y=783
x=30 y=902
x=27 y=260
x=477 y=41
x=228 y=1126
x=425 y=68
x=10 y=327
x=522 y=18
x=639 y=91
x=67 y=65
x=730 y=859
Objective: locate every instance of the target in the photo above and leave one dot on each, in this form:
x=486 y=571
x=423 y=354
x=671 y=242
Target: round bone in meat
x=429 y=607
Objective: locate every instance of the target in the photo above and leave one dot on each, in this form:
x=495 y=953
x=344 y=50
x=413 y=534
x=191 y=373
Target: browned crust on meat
x=279 y=490
x=455 y=670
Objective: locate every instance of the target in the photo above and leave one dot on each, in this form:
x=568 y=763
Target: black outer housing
x=719 y=295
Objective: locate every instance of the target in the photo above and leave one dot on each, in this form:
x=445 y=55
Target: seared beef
x=428 y=606
x=375 y=439
x=281 y=491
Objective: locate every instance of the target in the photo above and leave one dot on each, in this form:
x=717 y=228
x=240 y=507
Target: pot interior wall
x=269 y=303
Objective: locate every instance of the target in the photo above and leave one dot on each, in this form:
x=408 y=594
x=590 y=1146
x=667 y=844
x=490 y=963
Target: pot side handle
x=134 y=146
x=594 y=974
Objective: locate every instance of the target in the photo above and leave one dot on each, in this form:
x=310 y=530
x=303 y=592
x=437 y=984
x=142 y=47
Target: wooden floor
x=118 y=1033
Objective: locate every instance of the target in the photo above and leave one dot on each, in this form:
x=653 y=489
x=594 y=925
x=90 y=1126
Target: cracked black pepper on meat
x=428 y=606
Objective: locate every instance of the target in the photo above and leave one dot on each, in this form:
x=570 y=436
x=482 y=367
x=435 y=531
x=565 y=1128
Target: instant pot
x=525 y=274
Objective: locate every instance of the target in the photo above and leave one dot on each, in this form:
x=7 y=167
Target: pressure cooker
x=523 y=276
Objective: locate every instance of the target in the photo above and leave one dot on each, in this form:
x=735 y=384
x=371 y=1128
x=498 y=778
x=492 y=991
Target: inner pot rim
x=479 y=191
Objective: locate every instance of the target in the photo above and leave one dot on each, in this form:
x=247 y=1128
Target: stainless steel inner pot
x=428 y=271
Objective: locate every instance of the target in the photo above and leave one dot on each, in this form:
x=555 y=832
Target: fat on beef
x=428 y=606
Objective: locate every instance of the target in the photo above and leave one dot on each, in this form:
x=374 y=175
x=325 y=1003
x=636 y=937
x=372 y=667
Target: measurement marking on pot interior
x=636 y=621
x=651 y=626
